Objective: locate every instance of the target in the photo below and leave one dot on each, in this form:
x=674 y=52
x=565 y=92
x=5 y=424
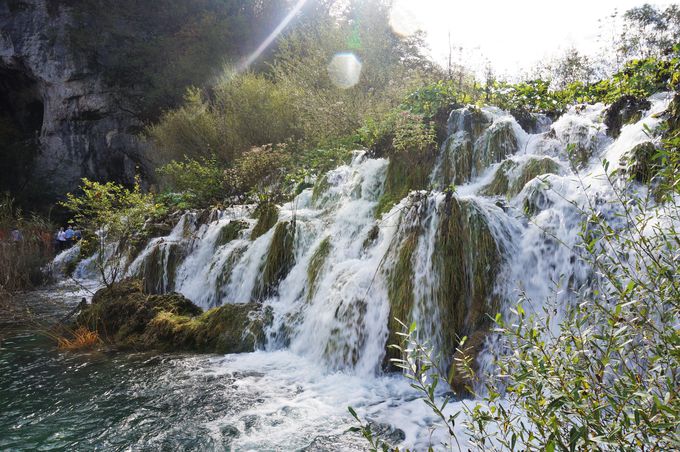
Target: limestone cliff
x=72 y=124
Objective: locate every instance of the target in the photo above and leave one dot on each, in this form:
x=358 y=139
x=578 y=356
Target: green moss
x=467 y=261
x=406 y=172
x=494 y=146
x=127 y=317
x=400 y=292
x=120 y=313
x=509 y=182
x=320 y=187
x=225 y=271
x=500 y=183
x=642 y=162
x=160 y=267
x=466 y=157
x=457 y=164
x=673 y=113
x=471 y=120
x=231 y=328
x=267 y=215
x=316 y=264
x=229 y=232
x=280 y=259
x=533 y=168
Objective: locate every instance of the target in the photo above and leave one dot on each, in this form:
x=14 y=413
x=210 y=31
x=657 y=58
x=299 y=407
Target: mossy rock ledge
x=128 y=318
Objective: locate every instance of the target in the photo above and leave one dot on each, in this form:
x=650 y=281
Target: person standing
x=69 y=236
x=16 y=235
x=61 y=240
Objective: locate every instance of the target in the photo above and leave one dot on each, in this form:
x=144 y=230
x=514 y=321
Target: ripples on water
x=114 y=401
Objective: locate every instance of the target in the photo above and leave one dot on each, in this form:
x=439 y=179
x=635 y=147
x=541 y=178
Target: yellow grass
x=82 y=339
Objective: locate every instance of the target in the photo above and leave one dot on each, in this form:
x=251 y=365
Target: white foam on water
x=326 y=343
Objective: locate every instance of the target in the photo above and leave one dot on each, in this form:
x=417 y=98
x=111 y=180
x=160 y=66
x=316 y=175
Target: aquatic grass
x=82 y=339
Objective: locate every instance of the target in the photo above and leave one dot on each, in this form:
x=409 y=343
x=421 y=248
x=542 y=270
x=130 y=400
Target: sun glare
x=344 y=70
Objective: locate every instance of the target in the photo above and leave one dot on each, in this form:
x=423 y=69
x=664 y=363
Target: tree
x=114 y=215
x=649 y=31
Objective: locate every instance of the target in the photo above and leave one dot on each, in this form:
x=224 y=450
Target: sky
x=514 y=34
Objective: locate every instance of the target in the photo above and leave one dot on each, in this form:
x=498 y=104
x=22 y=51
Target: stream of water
x=326 y=344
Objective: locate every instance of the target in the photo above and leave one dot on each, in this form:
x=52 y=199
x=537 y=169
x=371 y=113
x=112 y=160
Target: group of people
x=66 y=238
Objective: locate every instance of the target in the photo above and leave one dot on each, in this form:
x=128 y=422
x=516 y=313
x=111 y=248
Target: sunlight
x=272 y=36
x=513 y=36
x=404 y=18
x=344 y=70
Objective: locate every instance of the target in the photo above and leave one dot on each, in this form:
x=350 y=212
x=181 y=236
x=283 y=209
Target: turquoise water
x=112 y=400
x=64 y=401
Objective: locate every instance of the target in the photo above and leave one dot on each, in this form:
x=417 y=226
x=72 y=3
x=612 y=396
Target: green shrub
x=199 y=182
x=116 y=215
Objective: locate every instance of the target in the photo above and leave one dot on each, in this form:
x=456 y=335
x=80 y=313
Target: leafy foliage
x=196 y=182
x=115 y=215
x=649 y=31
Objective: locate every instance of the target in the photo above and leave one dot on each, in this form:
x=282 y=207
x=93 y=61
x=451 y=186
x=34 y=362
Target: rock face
x=80 y=125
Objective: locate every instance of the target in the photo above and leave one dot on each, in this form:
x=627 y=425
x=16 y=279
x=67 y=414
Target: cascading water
x=334 y=276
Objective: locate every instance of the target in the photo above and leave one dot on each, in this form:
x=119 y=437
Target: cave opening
x=21 y=120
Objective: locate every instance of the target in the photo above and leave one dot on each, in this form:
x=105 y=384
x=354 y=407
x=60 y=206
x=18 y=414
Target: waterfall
x=335 y=275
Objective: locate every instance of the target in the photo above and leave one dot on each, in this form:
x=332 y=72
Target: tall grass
x=21 y=261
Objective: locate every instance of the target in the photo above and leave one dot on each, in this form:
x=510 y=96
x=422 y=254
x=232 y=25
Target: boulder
x=626 y=110
x=642 y=163
x=512 y=176
x=127 y=317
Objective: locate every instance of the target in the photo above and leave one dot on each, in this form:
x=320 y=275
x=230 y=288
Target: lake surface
x=267 y=400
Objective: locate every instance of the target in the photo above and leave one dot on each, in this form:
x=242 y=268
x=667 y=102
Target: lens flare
x=344 y=70
x=404 y=19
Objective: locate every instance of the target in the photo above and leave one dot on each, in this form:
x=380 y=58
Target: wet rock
x=626 y=110
x=511 y=176
x=536 y=199
x=127 y=317
x=531 y=122
x=526 y=120
x=642 y=163
x=267 y=215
